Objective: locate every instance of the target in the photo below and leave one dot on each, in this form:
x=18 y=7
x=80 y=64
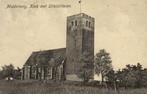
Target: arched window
x=76 y=23
x=87 y=23
x=72 y=23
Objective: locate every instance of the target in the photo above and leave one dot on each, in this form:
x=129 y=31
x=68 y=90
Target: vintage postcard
x=73 y=47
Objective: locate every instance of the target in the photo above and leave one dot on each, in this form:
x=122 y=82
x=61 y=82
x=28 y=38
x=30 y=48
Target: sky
x=120 y=29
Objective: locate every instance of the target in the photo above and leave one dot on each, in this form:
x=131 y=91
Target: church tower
x=79 y=39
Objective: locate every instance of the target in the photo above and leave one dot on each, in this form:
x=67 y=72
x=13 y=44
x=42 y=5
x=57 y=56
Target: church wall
x=27 y=72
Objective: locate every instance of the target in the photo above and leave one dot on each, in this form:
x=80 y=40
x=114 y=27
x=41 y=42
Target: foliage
x=17 y=73
x=103 y=63
x=132 y=76
x=111 y=76
x=7 y=71
x=10 y=71
x=86 y=72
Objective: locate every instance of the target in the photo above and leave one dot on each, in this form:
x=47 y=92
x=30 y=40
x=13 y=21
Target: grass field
x=35 y=87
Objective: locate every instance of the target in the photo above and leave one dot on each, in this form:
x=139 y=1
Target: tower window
x=89 y=24
x=76 y=23
x=86 y=23
x=72 y=23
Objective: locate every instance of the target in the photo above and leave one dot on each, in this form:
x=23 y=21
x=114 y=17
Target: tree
x=1 y=74
x=17 y=73
x=103 y=63
x=131 y=76
x=7 y=71
x=86 y=71
x=139 y=75
x=127 y=76
x=112 y=79
x=144 y=78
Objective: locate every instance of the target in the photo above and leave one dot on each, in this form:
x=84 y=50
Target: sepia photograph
x=73 y=47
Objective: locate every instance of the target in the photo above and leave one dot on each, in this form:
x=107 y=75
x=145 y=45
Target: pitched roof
x=43 y=57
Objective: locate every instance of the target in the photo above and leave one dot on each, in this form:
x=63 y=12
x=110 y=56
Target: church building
x=64 y=63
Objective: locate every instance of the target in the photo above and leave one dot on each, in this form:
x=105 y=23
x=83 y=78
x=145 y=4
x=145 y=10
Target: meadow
x=37 y=87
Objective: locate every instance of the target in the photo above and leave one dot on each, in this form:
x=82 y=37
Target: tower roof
x=80 y=15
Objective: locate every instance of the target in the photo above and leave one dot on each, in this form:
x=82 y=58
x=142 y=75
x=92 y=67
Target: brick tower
x=79 y=39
